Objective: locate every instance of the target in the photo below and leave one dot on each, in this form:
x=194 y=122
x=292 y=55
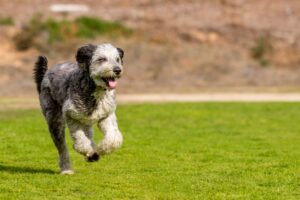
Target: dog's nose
x=117 y=70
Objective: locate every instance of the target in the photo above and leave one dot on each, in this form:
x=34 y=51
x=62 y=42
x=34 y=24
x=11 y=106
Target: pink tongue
x=112 y=84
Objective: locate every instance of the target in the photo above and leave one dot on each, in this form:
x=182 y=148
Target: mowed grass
x=170 y=151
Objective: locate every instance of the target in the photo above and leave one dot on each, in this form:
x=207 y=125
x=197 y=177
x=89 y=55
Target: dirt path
x=32 y=102
x=211 y=97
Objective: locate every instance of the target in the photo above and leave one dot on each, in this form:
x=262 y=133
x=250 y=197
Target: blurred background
x=171 y=46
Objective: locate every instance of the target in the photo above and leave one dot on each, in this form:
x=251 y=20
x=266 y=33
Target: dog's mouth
x=111 y=82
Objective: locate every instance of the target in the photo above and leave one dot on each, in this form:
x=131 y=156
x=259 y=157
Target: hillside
x=177 y=46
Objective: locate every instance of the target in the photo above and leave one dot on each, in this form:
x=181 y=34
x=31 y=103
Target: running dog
x=80 y=95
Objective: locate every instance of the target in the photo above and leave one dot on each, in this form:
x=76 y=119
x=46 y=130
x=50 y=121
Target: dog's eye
x=101 y=59
x=118 y=59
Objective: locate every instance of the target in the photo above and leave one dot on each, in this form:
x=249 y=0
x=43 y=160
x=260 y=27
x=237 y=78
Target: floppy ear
x=121 y=52
x=84 y=55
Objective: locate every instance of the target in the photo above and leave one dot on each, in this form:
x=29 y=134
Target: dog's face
x=103 y=62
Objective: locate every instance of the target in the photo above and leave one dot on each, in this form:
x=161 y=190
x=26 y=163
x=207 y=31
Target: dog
x=80 y=95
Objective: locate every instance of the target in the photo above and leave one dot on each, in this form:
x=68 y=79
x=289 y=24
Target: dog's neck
x=87 y=84
x=89 y=95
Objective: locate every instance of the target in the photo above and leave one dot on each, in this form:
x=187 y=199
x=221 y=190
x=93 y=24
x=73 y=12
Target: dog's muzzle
x=117 y=70
x=110 y=79
x=111 y=82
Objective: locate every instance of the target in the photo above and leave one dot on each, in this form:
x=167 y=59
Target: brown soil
x=182 y=46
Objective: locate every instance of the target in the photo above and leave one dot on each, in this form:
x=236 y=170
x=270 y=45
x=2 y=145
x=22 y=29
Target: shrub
x=261 y=48
x=66 y=30
x=6 y=21
x=59 y=30
x=30 y=31
x=90 y=27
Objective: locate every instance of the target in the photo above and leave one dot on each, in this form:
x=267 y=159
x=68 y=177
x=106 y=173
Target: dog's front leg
x=82 y=144
x=112 y=136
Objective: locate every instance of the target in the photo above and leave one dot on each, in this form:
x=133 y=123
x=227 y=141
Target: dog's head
x=102 y=62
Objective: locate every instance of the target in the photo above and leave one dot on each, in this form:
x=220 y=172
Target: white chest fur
x=106 y=105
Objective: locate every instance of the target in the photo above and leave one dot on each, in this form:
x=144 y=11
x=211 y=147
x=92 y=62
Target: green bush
x=6 y=21
x=59 y=30
x=66 y=30
x=90 y=27
x=30 y=31
x=262 y=47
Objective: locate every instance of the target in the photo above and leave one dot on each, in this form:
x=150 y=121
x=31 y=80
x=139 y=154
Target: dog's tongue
x=112 y=84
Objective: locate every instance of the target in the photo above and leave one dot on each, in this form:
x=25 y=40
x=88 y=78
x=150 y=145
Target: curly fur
x=79 y=95
x=39 y=71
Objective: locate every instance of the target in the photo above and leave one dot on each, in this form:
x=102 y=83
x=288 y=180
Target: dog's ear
x=84 y=55
x=121 y=52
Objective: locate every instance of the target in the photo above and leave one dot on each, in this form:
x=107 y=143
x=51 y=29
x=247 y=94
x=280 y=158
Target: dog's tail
x=39 y=71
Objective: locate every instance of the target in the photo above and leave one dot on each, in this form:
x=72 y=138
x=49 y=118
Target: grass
x=171 y=151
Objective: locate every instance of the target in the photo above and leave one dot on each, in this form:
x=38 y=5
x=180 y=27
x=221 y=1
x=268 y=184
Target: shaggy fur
x=79 y=95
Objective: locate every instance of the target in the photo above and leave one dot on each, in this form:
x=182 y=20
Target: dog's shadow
x=29 y=170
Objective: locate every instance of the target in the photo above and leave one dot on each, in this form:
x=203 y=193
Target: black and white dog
x=81 y=94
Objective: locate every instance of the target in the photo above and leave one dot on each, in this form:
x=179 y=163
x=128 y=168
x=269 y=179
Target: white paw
x=67 y=172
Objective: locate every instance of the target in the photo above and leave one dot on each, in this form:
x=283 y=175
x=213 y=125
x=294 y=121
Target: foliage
x=39 y=32
x=261 y=48
x=89 y=27
x=6 y=21
x=25 y=39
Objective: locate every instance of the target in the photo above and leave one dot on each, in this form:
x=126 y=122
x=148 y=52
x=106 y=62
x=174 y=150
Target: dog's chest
x=104 y=107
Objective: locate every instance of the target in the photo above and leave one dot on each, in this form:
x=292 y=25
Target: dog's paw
x=67 y=172
x=92 y=158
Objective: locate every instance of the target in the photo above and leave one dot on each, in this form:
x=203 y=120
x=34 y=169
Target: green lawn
x=170 y=151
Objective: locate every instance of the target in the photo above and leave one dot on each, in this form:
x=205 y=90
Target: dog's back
x=54 y=79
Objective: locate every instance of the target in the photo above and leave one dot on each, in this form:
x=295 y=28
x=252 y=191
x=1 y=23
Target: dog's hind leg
x=57 y=129
x=53 y=114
